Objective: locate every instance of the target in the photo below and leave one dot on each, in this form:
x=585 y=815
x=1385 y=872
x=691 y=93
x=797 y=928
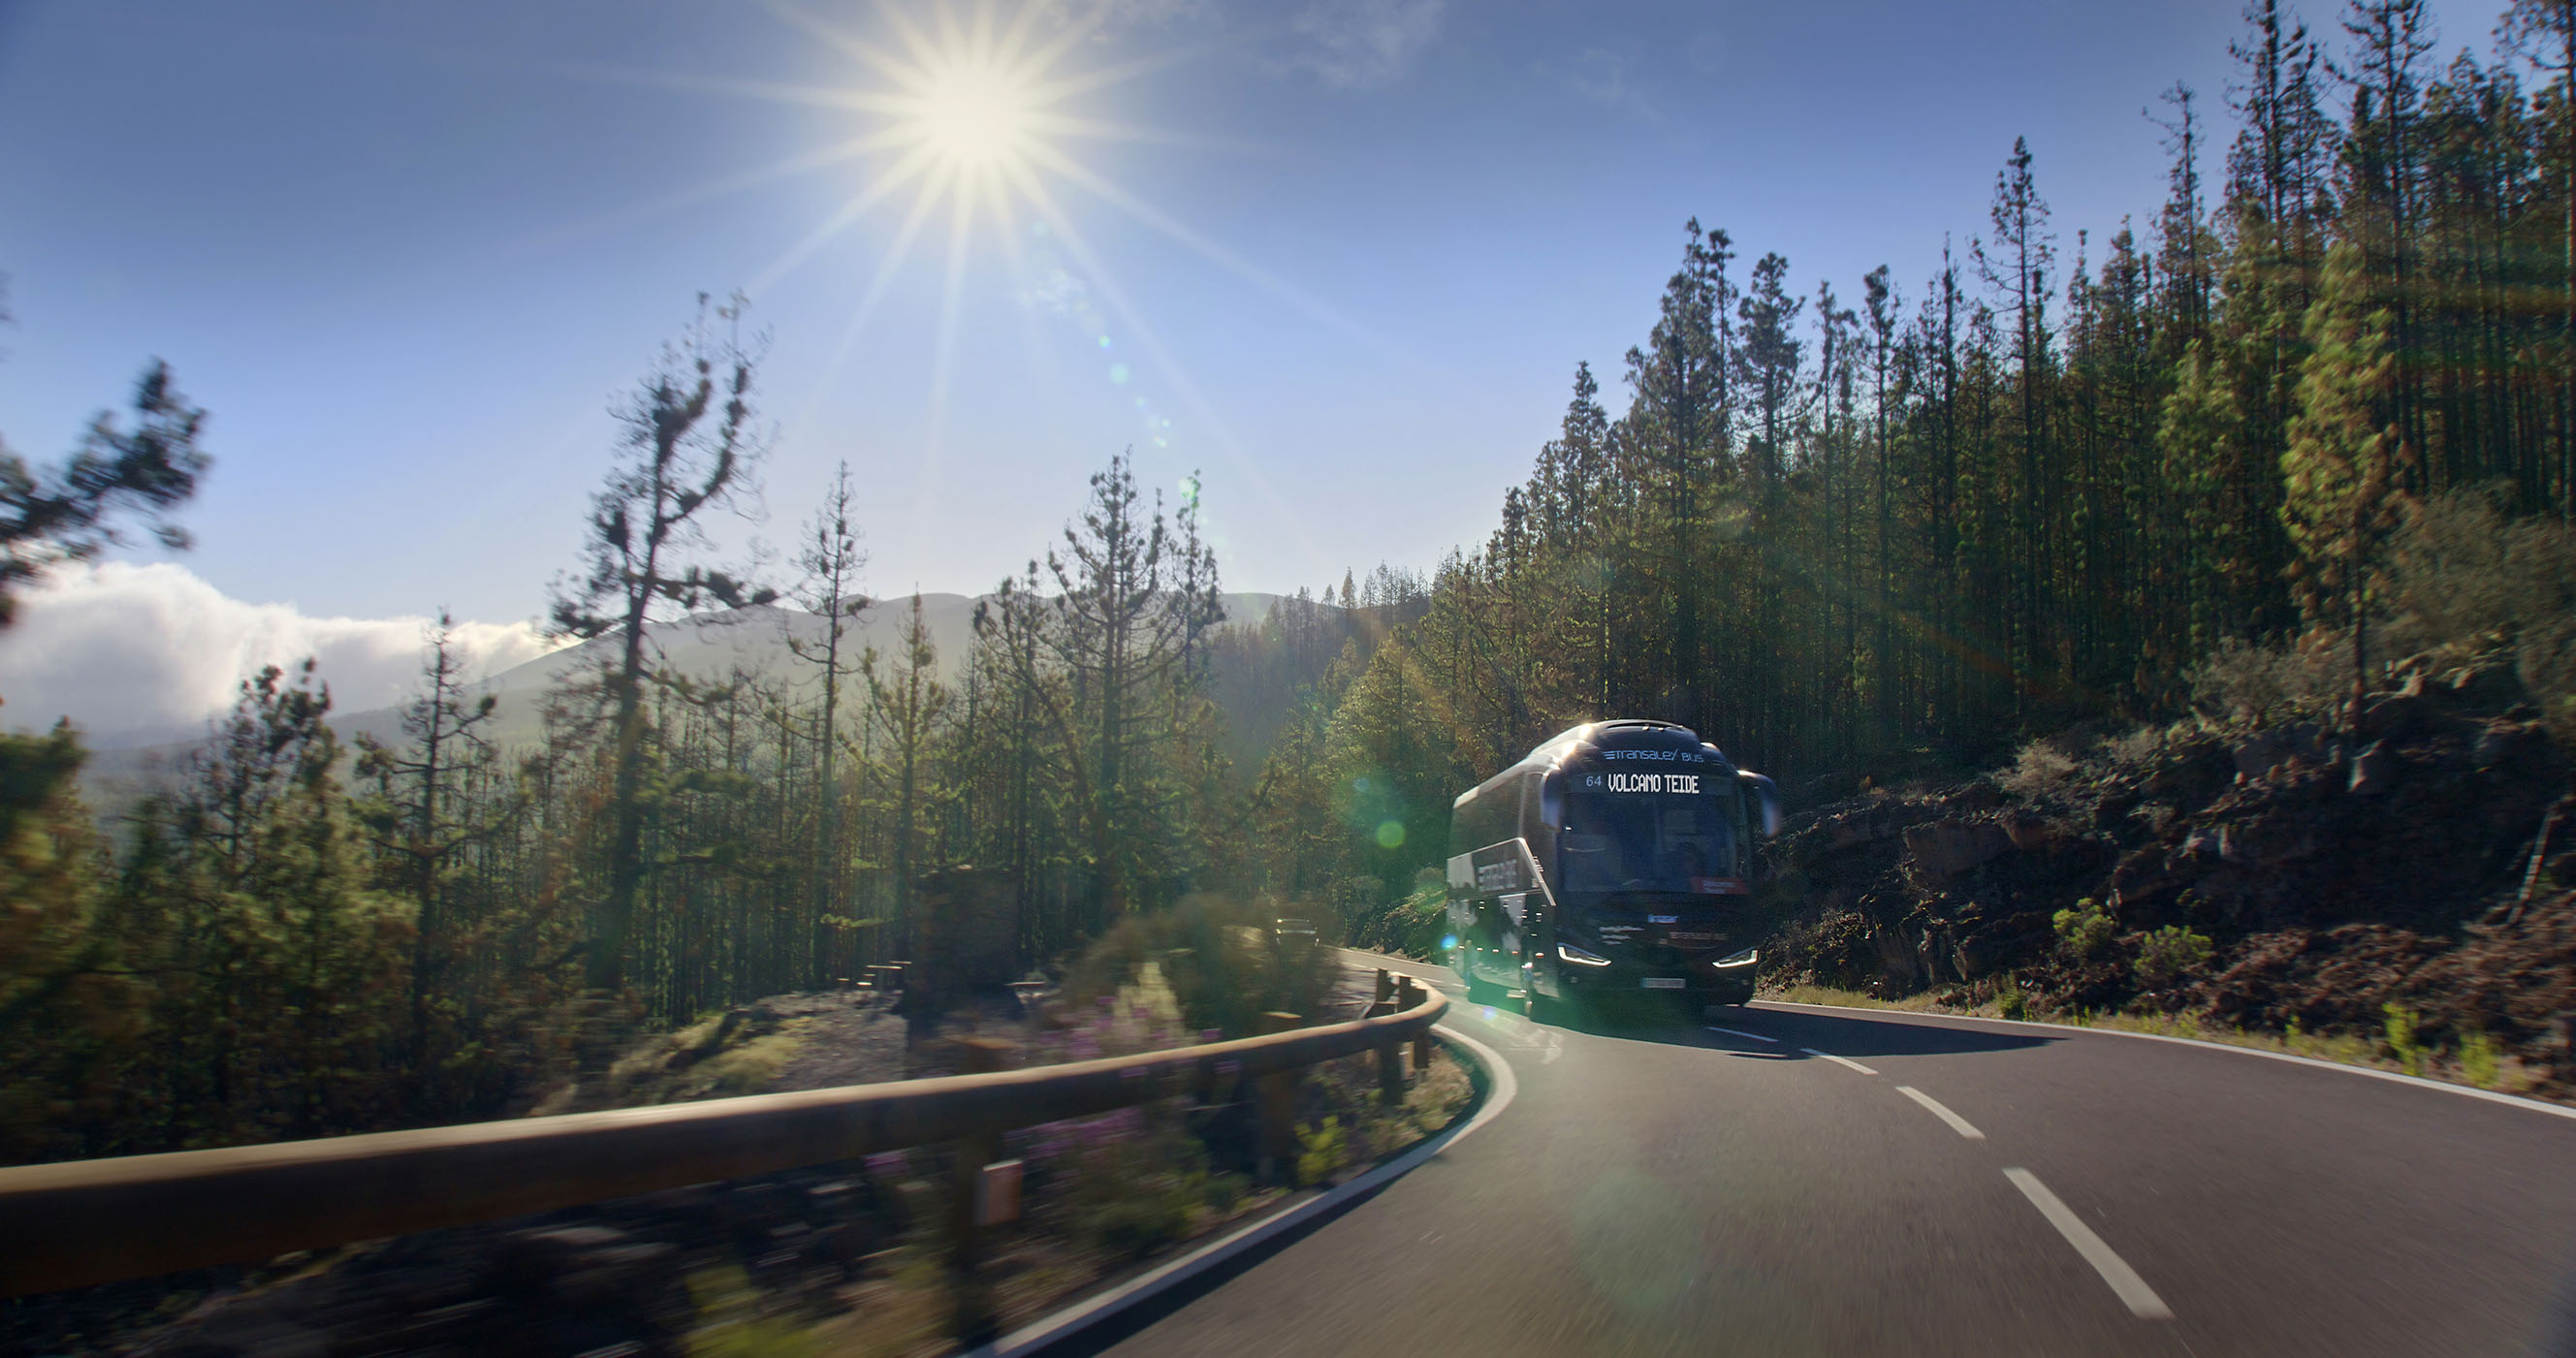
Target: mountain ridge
x=703 y=646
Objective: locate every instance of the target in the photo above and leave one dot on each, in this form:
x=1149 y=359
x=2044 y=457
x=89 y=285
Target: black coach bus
x=1617 y=858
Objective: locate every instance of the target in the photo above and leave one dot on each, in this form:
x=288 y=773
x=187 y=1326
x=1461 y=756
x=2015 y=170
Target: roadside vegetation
x=846 y=1258
x=2382 y=877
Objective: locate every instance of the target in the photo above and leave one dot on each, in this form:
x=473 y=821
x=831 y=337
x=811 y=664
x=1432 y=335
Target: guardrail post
x=1390 y=1053
x=1409 y=994
x=973 y=1316
x=1205 y=1091
x=1279 y=1109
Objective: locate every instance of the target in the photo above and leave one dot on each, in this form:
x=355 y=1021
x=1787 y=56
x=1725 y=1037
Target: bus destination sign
x=1649 y=782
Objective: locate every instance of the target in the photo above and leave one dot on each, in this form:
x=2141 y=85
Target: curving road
x=1845 y=1182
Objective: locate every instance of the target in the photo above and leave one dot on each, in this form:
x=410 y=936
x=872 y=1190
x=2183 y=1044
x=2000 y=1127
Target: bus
x=1615 y=859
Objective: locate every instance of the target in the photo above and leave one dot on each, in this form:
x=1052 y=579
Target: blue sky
x=408 y=255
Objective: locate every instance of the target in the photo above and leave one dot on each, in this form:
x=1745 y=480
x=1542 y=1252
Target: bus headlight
x=1745 y=958
x=1579 y=957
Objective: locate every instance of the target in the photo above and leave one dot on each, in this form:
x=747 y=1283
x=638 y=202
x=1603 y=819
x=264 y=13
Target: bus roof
x=1628 y=733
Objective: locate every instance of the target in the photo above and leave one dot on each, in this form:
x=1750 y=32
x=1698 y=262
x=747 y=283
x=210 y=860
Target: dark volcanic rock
x=1946 y=848
x=2334 y=871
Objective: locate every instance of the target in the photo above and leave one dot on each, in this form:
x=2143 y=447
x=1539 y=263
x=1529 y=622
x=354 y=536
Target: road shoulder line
x=1063 y=1324
x=2471 y=1091
x=2124 y=1280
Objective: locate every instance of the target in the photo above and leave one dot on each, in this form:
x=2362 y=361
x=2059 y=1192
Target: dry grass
x=2044 y=773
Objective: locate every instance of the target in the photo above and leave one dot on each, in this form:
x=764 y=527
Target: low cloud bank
x=139 y=654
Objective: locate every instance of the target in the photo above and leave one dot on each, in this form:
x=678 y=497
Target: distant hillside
x=707 y=646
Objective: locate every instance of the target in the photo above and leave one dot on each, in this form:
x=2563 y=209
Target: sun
x=975 y=111
x=974 y=114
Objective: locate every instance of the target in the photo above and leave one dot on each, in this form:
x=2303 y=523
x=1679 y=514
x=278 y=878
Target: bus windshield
x=1651 y=842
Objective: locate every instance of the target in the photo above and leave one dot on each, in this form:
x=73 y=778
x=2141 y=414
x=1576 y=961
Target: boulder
x=2483 y=688
x=1973 y=798
x=2029 y=831
x=2258 y=754
x=1853 y=829
x=2398 y=715
x=1946 y=848
x=2374 y=771
x=2266 y=843
x=1896 y=955
x=2509 y=745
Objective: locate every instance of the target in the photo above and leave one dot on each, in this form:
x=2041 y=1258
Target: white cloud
x=1365 y=42
x=137 y=654
x=1603 y=78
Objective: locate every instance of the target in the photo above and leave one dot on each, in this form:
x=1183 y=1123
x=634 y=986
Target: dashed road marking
x=1957 y=1123
x=2124 y=1280
x=1839 y=1060
x=1737 y=1032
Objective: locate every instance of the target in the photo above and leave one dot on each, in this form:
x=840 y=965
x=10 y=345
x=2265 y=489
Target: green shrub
x=2400 y=1028
x=2480 y=1059
x=1321 y=1151
x=1222 y=959
x=1224 y=1192
x=2169 y=954
x=1410 y=927
x=1134 y=1191
x=2085 y=930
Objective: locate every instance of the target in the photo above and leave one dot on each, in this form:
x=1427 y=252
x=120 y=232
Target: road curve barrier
x=82 y=1222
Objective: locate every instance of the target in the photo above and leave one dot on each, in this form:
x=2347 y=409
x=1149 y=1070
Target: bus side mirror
x=1766 y=804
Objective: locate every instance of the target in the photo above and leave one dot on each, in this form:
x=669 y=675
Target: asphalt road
x=1659 y=1187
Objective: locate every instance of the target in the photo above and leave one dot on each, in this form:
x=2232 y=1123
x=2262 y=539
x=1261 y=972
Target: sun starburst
x=974 y=114
x=974 y=110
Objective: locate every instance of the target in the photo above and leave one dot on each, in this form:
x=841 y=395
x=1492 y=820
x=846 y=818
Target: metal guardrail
x=93 y=1221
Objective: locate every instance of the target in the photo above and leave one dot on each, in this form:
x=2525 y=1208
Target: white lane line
x=2142 y=1299
x=1957 y=1123
x=1738 y=1032
x=1839 y=1060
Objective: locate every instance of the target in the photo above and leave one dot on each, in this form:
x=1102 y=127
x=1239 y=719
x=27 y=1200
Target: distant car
x=1293 y=930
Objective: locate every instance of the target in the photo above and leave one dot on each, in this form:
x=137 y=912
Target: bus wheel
x=1541 y=1009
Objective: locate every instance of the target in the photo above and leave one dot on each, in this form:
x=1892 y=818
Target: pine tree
x=690 y=447
x=830 y=559
x=2534 y=26
x=907 y=704
x=72 y=513
x=2017 y=275
x=67 y=1001
x=422 y=814
x=2345 y=472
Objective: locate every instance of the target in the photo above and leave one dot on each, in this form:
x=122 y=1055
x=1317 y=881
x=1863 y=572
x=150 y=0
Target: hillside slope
x=2251 y=876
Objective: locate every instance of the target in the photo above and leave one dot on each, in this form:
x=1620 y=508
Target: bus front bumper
x=1700 y=978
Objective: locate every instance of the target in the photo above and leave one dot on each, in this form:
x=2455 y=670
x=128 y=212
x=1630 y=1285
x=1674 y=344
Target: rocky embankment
x=2254 y=875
